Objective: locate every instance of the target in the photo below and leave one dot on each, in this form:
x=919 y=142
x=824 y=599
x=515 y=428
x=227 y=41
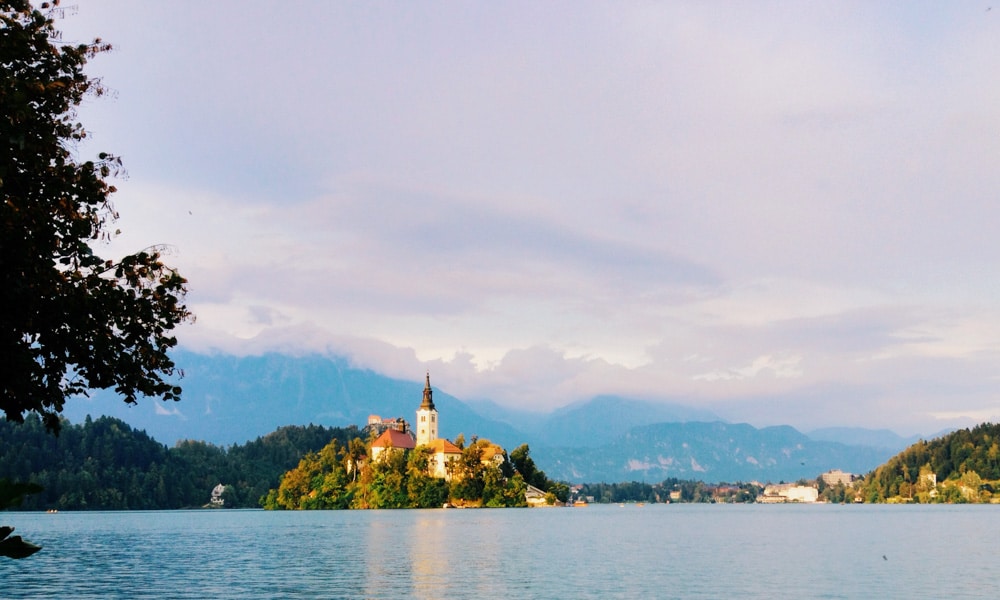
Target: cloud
x=162 y=410
x=984 y=415
x=786 y=213
x=781 y=368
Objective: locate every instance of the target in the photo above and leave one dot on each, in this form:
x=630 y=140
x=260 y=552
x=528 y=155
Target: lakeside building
x=788 y=492
x=836 y=476
x=217 y=499
x=535 y=497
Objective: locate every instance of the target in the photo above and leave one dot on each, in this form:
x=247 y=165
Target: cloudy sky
x=784 y=212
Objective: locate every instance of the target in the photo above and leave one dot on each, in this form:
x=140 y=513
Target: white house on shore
x=788 y=492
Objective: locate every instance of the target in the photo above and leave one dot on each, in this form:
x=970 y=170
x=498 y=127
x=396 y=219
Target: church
x=397 y=435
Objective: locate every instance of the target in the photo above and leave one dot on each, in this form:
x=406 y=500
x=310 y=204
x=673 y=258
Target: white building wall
x=427 y=426
x=801 y=493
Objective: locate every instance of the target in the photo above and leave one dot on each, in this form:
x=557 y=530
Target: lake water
x=601 y=551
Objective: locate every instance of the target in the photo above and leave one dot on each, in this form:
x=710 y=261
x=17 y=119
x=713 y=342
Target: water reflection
x=384 y=575
x=436 y=553
x=598 y=552
x=430 y=559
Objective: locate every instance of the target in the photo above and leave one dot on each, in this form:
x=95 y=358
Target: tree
x=467 y=482
x=357 y=452
x=424 y=491
x=559 y=491
x=388 y=480
x=523 y=462
x=70 y=320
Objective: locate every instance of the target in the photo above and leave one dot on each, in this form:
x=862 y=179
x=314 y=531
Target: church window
x=423 y=418
x=432 y=418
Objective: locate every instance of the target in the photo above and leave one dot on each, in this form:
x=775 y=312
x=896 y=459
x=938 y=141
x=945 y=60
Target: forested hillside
x=963 y=466
x=104 y=464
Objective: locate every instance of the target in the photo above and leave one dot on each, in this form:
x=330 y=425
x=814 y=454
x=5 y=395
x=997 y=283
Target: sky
x=783 y=212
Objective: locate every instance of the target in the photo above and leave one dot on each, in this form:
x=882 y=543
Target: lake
x=600 y=551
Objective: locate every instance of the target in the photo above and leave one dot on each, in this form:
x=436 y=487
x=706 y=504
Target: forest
x=961 y=467
x=104 y=464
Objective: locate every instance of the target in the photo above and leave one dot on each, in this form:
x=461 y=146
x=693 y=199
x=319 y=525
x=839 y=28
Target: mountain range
x=233 y=399
x=708 y=451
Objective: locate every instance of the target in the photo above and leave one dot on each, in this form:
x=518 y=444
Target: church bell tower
x=427 y=417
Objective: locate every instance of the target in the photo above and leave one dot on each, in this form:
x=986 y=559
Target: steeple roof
x=428 y=403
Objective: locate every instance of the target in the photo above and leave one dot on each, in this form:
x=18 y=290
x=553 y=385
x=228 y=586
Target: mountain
x=522 y=420
x=708 y=451
x=232 y=399
x=858 y=436
x=604 y=418
x=229 y=399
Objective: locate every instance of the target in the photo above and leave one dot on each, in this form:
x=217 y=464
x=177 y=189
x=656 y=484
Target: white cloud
x=991 y=414
x=787 y=367
x=162 y=410
x=789 y=212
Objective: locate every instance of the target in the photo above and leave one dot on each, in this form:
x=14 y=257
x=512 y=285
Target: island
x=398 y=466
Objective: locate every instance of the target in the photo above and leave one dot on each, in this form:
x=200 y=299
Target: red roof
x=443 y=446
x=395 y=439
x=491 y=452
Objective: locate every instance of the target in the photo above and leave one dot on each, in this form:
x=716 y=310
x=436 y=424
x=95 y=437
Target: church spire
x=428 y=402
x=427 y=421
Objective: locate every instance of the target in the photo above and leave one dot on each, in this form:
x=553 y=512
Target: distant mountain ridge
x=231 y=400
x=854 y=436
x=604 y=418
x=714 y=451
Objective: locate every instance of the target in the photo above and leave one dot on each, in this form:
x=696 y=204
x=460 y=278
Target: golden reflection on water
x=382 y=537
x=429 y=556
x=407 y=557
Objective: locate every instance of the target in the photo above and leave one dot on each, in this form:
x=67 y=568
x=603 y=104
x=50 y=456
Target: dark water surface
x=654 y=551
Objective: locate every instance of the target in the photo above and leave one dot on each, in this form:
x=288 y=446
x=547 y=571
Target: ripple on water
x=676 y=551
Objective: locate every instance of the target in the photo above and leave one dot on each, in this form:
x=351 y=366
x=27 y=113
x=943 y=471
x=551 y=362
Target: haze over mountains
x=232 y=399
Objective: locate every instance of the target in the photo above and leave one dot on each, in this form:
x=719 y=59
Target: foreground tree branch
x=70 y=320
x=11 y=494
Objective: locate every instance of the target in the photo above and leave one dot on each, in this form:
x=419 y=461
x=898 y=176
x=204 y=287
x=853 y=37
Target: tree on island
x=70 y=320
x=557 y=491
x=340 y=476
